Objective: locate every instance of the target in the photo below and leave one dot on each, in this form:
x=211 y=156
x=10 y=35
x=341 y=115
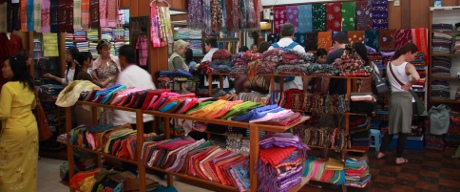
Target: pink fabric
x=103 y=13
x=85 y=15
x=46 y=28
x=334 y=16
x=112 y=13
x=279 y=17
x=292 y=15
x=154 y=29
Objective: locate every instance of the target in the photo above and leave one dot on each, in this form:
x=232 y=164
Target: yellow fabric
x=203 y=112
x=19 y=140
x=88 y=184
x=334 y=164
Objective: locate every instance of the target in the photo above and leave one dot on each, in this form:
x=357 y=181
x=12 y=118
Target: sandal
x=377 y=156
x=405 y=161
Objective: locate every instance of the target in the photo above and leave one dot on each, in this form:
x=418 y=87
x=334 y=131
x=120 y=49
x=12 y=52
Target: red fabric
x=279 y=17
x=274 y=156
x=9 y=48
x=175 y=144
x=402 y=36
x=420 y=38
x=221 y=54
x=334 y=16
x=79 y=177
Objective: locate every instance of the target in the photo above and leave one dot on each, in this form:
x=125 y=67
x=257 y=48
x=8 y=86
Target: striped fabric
x=77 y=14
x=46 y=25
x=23 y=15
x=85 y=16
x=38 y=16
x=103 y=13
x=94 y=13
x=112 y=13
x=30 y=15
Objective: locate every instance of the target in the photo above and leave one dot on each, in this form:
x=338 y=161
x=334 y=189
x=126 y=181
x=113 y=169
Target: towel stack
x=357 y=172
x=106 y=33
x=79 y=35
x=318 y=169
x=93 y=35
x=441 y=43
x=359 y=130
x=457 y=44
x=221 y=61
x=441 y=66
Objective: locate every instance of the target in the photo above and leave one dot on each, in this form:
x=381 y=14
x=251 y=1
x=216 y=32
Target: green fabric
x=319 y=17
x=199 y=106
x=348 y=16
x=457 y=153
x=241 y=109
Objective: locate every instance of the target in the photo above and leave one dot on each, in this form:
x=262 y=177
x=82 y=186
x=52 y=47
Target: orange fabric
x=79 y=177
x=223 y=110
x=275 y=155
x=325 y=40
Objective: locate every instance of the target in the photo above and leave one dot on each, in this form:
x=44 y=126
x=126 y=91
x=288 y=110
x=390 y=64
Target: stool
x=375 y=139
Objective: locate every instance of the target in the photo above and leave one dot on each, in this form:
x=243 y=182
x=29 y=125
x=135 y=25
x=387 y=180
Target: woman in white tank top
x=401 y=75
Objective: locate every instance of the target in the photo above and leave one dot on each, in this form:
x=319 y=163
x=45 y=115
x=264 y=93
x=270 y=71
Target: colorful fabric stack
x=442 y=43
x=316 y=170
x=270 y=114
x=440 y=89
x=255 y=97
x=82 y=46
x=79 y=35
x=196 y=46
x=350 y=64
x=294 y=63
x=221 y=61
x=185 y=33
x=240 y=62
x=106 y=33
x=442 y=27
x=270 y=60
x=92 y=49
x=441 y=66
x=328 y=137
x=92 y=35
x=452 y=138
x=281 y=161
x=359 y=130
x=457 y=45
x=357 y=172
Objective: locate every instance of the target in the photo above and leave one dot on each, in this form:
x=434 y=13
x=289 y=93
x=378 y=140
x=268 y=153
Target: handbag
x=379 y=85
x=419 y=105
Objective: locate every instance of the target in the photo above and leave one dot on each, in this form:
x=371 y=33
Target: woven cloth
x=112 y=13
x=371 y=39
x=292 y=15
x=30 y=15
x=103 y=13
x=94 y=13
x=46 y=27
x=54 y=16
x=348 y=16
x=363 y=15
x=334 y=16
x=279 y=17
x=319 y=17
x=355 y=36
x=379 y=14
x=325 y=40
x=23 y=15
x=311 y=41
x=402 y=36
x=387 y=40
x=274 y=156
x=305 y=20
x=37 y=17
x=85 y=14
x=420 y=38
x=77 y=14
x=3 y=20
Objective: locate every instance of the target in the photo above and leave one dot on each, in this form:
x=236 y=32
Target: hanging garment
x=379 y=14
x=311 y=41
x=46 y=27
x=166 y=21
x=387 y=40
x=319 y=17
x=305 y=19
x=243 y=12
x=142 y=46
x=94 y=13
x=195 y=14
x=371 y=39
x=207 y=16
x=334 y=16
x=224 y=15
x=77 y=14
x=402 y=36
x=62 y=17
x=325 y=40
x=54 y=16
x=279 y=17
x=85 y=15
x=348 y=16
x=23 y=15
x=69 y=17
x=154 y=29
x=103 y=13
x=236 y=16
x=355 y=36
x=216 y=11
x=253 y=20
x=30 y=15
x=37 y=16
x=3 y=20
x=112 y=13
x=363 y=15
x=420 y=38
x=292 y=14
x=12 y=16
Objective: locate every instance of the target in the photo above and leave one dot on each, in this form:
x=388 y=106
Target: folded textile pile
x=240 y=61
x=442 y=27
x=92 y=34
x=364 y=103
x=441 y=66
x=328 y=137
x=92 y=48
x=79 y=35
x=255 y=97
x=419 y=59
x=440 y=89
x=82 y=46
x=196 y=46
x=186 y=33
x=359 y=130
x=270 y=60
x=457 y=45
x=281 y=161
x=107 y=34
x=357 y=172
x=441 y=43
x=350 y=64
x=269 y=114
x=315 y=169
x=51 y=89
x=435 y=142
x=322 y=70
x=452 y=138
x=294 y=63
x=221 y=61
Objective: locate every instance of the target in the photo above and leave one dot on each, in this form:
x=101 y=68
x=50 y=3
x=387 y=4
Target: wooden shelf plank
x=300 y=185
x=446 y=31
x=445 y=55
x=449 y=101
x=445 y=78
x=360 y=149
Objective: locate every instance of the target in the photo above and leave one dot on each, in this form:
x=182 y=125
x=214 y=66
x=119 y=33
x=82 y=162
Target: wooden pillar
x=405 y=14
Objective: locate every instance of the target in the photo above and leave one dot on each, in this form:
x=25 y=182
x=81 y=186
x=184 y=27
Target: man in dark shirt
x=336 y=86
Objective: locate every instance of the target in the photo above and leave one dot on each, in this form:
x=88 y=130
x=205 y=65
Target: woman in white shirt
x=73 y=67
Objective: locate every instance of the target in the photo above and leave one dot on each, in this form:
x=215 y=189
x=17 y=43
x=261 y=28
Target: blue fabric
x=264 y=113
x=247 y=116
x=168 y=107
x=242 y=175
x=109 y=95
x=305 y=18
x=30 y=15
x=180 y=72
x=159 y=104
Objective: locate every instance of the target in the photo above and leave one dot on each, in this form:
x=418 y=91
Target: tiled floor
x=427 y=170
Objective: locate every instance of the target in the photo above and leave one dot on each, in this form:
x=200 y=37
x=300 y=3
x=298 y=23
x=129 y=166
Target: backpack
x=290 y=46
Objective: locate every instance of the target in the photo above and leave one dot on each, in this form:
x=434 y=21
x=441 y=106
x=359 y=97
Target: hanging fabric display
x=12 y=16
x=363 y=15
x=348 y=16
x=54 y=16
x=311 y=41
x=325 y=40
x=195 y=14
x=45 y=16
x=77 y=14
x=371 y=39
x=387 y=40
x=142 y=46
x=207 y=16
x=380 y=14
x=167 y=31
x=216 y=14
x=305 y=19
x=154 y=29
x=62 y=17
x=112 y=13
x=228 y=16
x=224 y=15
x=30 y=15
x=252 y=18
x=420 y=38
x=292 y=14
x=69 y=22
x=236 y=15
x=334 y=16
x=23 y=15
x=37 y=16
x=300 y=39
x=94 y=13
x=402 y=36
x=85 y=16
x=279 y=17
x=355 y=36
x=103 y=13
x=319 y=17
x=3 y=20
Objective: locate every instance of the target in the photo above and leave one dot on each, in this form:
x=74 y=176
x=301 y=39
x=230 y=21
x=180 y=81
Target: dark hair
x=341 y=37
x=287 y=29
x=321 y=52
x=243 y=49
x=129 y=52
x=19 y=67
x=188 y=56
x=75 y=53
x=101 y=44
x=24 y=53
x=211 y=41
x=406 y=48
x=83 y=57
x=263 y=46
x=360 y=48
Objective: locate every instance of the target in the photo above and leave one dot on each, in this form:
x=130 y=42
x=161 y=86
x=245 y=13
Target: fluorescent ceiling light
x=176 y=12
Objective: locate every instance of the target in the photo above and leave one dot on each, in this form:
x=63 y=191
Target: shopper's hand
x=48 y=75
x=406 y=87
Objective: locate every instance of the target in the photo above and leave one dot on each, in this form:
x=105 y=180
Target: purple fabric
x=281 y=140
x=292 y=14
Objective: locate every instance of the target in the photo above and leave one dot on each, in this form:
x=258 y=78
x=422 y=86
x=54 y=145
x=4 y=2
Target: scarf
x=402 y=36
x=252 y=18
x=23 y=15
x=371 y=39
x=62 y=17
x=319 y=17
x=363 y=15
x=305 y=19
x=85 y=15
x=45 y=16
x=348 y=16
x=325 y=40
x=230 y=17
x=207 y=16
x=12 y=16
x=292 y=14
x=380 y=14
x=94 y=13
x=54 y=16
x=112 y=13
x=243 y=7
x=77 y=14
x=216 y=14
x=166 y=21
x=356 y=36
x=311 y=41
x=103 y=13
x=154 y=33
x=195 y=14
x=37 y=16
x=279 y=17
x=224 y=14
x=333 y=16
x=69 y=17
x=420 y=38
x=3 y=20
x=387 y=40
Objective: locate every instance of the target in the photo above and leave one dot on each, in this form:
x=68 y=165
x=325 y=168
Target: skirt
x=400 y=119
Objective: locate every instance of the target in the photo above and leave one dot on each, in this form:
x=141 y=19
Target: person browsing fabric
x=335 y=86
x=176 y=61
x=86 y=59
x=360 y=48
x=19 y=130
x=73 y=67
x=106 y=66
x=189 y=59
x=399 y=69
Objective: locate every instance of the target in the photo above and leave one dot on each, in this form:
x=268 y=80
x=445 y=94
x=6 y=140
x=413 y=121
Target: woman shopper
x=19 y=131
x=176 y=61
x=106 y=66
x=73 y=67
x=401 y=75
x=360 y=48
x=86 y=59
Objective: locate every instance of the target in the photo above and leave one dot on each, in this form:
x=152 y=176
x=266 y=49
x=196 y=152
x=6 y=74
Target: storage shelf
x=359 y=149
x=445 y=55
x=445 y=78
x=449 y=101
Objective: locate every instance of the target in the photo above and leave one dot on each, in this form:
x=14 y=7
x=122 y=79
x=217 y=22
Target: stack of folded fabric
x=51 y=89
x=79 y=35
x=441 y=66
x=82 y=46
x=322 y=70
x=457 y=44
x=316 y=170
x=419 y=59
x=452 y=138
x=357 y=172
x=457 y=94
x=376 y=58
x=69 y=36
x=324 y=136
x=270 y=60
x=364 y=103
x=281 y=161
x=221 y=61
x=106 y=33
x=240 y=61
x=182 y=33
x=270 y=114
x=440 y=89
x=92 y=34
x=69 y=44
x=196 y=46
x=350 y=64
x=359 y=130
x=254 y=96
x=126 y=34
x=294 y=63
x=442 y=27
x=315 y=103
x=92 y=49
x=435 y=142
x=441 y=43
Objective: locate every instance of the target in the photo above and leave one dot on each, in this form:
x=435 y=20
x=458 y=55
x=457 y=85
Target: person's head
x=321 y=54
x=126 y=55
x=263 y=46
x=287 y=30
x=361 y=50
x=209 y=43
x=339 y=40
x=85 y=59
x=243 y=49
x=103 y=48
x=71 y=54
x=408 y=52
x=188 y=55
x=180 y=47
x=254 y=48
x=26 y=54
x=15 y=69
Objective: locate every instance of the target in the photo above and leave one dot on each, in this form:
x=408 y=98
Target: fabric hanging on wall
x=216 y=13
x=166 y=20
x=257 y=9
x=195 y=14
x=112 y=13
x=371 y=39
x=363 y=15
x=325 y=40
x=77 y=14
x=62 y=17
x=162 y=27
x=103 y=13
x=37 y=16
x=45 y=16
x=300 y=39
x=292 y=14
x=54 y=16
x=142 y=46
x=279 y=17
x=273 y=38
x=311 y=41
x=305 y=19
x=94 y=13
x=402 y=36
x=229 y=16
x=69 y=22
x=12 y=17
x=387 y=40
x=30 y=15
x=348 y=16
x=420 y=38
x=379 y=14
x=3 y=20
x=224 y=14
x=334 y=16
x=85 y=15
x=154 y=29
x=207 y=16
x=252 y=18
x=23 y=15
x=236 y=16
x=355 y=36
x=319 y=17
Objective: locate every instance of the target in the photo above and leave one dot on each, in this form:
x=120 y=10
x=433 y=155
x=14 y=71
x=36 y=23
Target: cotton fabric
x=363 y=15
x=319 y=17
x=279 y=17
x=305 y=19
x=334 y=16
x=348 y=16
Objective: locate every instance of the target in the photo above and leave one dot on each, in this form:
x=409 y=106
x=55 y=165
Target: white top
x=208 y=56
x=297 y=83
x=400 y=72
x=69 y=76
x=133 y=76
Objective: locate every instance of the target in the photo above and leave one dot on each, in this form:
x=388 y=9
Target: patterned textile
x=319 y=17
x=292 y=15
x=279 y=17
x=195 y=14
x=154 y=29
x=300 y=39
x=334 y=16
x=77 y=14
x=94 y=13
x=142 y=46
x=3 y=20
x=30 y=15
x=216 y=14
x=112 y=13
x=305 y=19
x=387 y=40
x=311 y=41
x=363 y=15
x=45 y=16
x=54 y=16
x=23 y=15
x=166 y=21
x=69 y=17
x=37 y=16
x=325 y=40
x=103 y=13
x=420 y=38
x=62 y=15
x=348 y=16
x=236 y=16
x=12 y=17
x=85 y=14
x=371 y=39
x=379 y=14
x=402 y=36
x=207 y=16
x=355 y=36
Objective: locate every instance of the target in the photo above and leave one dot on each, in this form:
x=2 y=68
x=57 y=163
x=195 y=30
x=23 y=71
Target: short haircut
x=287 y=29
x=243 y=49
x=341 y=38
x=263 y=46
x=321 y=52
x=211 y=41
x=179 y=44
x=129 y=52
